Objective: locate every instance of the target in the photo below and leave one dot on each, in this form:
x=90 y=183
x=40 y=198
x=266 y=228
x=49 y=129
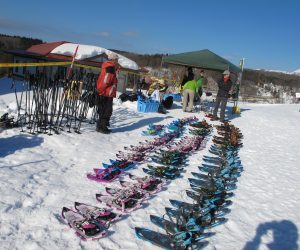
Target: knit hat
x=113 y=56
x=226 y=72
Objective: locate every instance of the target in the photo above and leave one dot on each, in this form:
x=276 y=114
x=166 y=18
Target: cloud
x=103 y=34
x=130 y=34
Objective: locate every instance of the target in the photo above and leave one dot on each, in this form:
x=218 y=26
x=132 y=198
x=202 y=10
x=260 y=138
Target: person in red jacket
x=107 y=90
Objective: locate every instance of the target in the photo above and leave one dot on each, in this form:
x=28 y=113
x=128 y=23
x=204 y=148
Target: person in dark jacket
x=107 y=89
x=189 y=76
x=225 y=86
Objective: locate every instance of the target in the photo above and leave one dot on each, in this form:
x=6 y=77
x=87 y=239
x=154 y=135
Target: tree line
x=252 y=79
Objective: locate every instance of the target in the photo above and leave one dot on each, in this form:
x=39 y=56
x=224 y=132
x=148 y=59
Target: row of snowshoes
x=139 y=153
x=92 y=222
x=129 y=159
x=186 y=223
x=219 y=173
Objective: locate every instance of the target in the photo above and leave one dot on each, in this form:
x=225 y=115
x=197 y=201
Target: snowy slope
x=87 y=51
x=297 y=72
x=41 y=174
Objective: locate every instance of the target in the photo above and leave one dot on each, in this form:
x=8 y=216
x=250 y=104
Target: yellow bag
x=236 y=110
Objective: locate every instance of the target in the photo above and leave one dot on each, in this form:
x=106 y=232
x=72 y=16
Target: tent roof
x=44 y=48
x=204 y=59
x=86 y=54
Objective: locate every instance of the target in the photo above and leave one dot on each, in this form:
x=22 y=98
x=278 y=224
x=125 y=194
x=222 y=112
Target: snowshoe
x=128 y=193
x=102 y=215
x=147 y=187
x=178 y=241
x=84 y=228
x=104 y=175
x=125 y=205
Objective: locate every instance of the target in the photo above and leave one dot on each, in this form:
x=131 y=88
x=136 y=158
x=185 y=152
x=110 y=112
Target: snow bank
x=87 y=51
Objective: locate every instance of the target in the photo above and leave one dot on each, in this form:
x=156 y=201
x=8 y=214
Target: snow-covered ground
x=40 y=174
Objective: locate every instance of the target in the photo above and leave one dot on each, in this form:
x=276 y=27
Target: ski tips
x=98 y=197
x=64 y=210
x=172 y=201
x=76 y=204
x=152 y=216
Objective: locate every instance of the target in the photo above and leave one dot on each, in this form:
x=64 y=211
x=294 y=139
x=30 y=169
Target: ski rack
x=52 y=105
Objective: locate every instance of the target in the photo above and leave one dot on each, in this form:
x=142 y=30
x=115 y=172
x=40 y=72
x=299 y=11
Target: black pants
x=105 y=109
x=220 y=101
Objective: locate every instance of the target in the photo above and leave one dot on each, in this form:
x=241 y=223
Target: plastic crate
x=147 y=105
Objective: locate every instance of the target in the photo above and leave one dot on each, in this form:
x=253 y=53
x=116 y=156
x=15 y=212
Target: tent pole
x=242 y=62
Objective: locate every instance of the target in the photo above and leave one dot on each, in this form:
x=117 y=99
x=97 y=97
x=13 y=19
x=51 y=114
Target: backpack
x=123 y=97
x=168 y=102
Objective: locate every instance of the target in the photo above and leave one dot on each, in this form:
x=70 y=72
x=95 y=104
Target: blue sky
x=266 y=32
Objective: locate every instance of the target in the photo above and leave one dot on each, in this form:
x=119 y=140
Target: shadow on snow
x=285 y=236
x=121 y=117
x=17 y=142
x=140 y=123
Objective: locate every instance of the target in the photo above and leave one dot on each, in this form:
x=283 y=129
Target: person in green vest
x=188 y=76
x=189 y=91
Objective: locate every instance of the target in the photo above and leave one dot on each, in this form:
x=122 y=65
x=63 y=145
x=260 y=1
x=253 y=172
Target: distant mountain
x=13 y=42
x=143 y=60
x=296 y=72
x=272 y=84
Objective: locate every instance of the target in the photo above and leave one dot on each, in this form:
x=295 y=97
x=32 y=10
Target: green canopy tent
x=204 y=59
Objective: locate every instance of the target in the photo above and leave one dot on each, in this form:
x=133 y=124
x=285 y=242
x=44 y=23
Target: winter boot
x=102 y=128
